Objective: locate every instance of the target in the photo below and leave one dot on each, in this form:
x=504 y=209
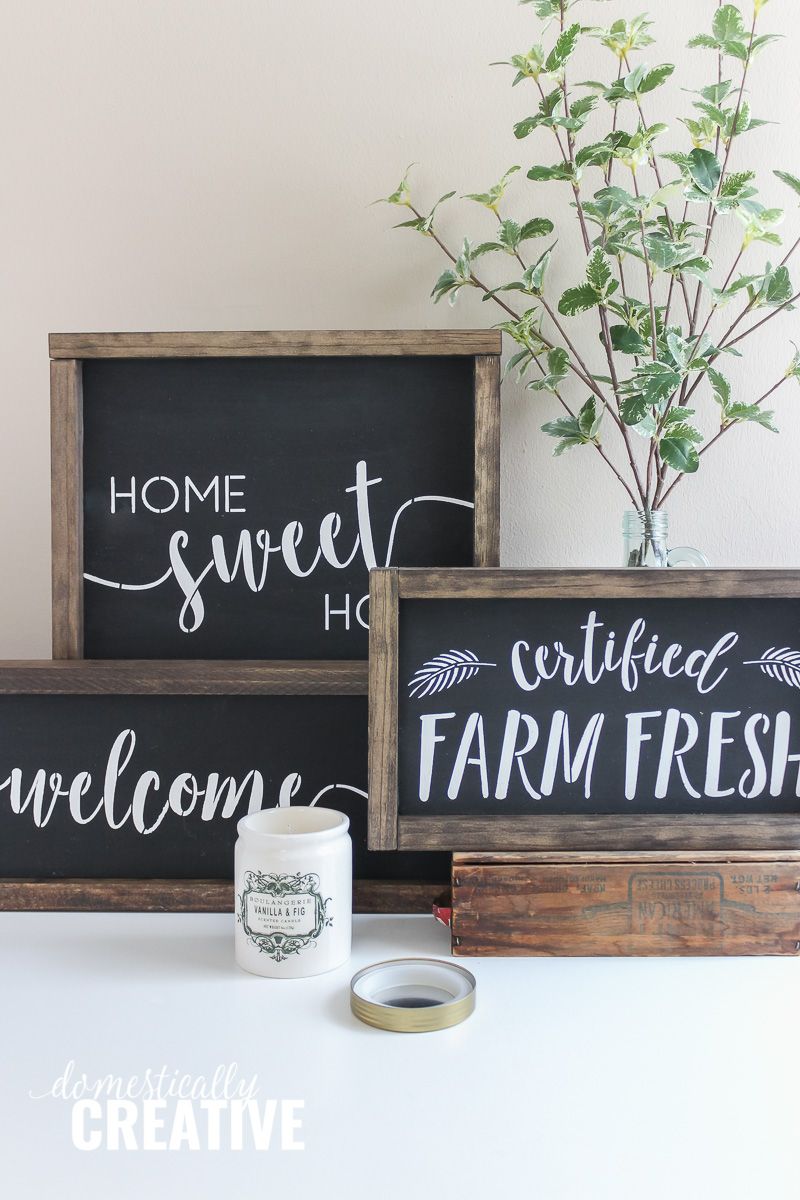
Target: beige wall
x=196 y=164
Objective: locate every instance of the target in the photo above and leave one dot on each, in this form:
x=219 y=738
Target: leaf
x=728 y=24
x=735 y=50
x=515 y=360
x=546 y=174
x=632 y=81
x=557 y=368
x=765 y=39
x=527 y=125
x=703 y=39
x=721 y=387
x=779 y=288
x=582 y=107
x=402 y=194
x=509 y=235
x=596 y=154
x=646 y=427
x=563 y=48
x=563 y=427
x=751 y=412
x=716 y=93
x=445 y=671
x=679 y=349
x=589 y=421
x=633 y=409
x=568 y=444
x=656 y=77
x=684 y=429
x=492 y=198
x=537 y=227
x=697 y=266
x=534 y=276
x=705 y=169
x=626 y=340
x=680 y=454
x=791 y=180
x=782 y=664
x=598 y=270
x=764 y=419
x=617 y=197
x=578 y=299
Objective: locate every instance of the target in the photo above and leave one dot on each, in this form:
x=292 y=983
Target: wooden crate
x=638 y=903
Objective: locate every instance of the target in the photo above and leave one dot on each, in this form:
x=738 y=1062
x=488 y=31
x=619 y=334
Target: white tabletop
x=574 y=1078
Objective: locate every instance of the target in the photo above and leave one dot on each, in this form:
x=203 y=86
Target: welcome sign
x=142 y=771
x=522 y=697
x=225 y=496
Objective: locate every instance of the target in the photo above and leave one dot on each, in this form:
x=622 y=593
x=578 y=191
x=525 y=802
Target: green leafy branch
x=645 y=243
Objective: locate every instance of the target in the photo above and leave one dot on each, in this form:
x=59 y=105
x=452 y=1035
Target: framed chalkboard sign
x=121 y=783
x=556 y=710
x=224 y=495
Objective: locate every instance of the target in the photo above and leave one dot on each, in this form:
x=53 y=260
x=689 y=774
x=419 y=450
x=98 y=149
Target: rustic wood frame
x=388 y=830
x=183 y=677
x=68 y=350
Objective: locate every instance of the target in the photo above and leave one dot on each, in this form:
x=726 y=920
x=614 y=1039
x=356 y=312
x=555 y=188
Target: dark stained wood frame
x=388 y=830
x=181 y=677
x=68 y=350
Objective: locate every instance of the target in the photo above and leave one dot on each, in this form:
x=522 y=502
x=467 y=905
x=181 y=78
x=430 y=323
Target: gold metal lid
x=412 y=995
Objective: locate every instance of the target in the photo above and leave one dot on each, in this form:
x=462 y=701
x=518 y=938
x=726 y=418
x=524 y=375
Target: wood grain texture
x=475 y=858
x=487 y=461
x=656 y=908
x=190 y=895
x=66 y=472
x=382 y=772
x=167 y=677
x=680 y=831
x=417 y=583
x=276 y=343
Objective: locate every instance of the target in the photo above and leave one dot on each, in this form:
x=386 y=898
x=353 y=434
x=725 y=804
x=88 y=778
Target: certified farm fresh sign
x=528 y=706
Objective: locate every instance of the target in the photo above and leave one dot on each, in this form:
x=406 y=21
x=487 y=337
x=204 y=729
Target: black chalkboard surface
x=214 y=503
x=525 y=696
x=613 y=706
x=142 y=786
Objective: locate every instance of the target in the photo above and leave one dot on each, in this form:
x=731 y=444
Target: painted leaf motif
x=782 y=664
x=444 y=672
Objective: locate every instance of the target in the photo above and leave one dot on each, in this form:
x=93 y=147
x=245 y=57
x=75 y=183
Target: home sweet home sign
x=226 y=495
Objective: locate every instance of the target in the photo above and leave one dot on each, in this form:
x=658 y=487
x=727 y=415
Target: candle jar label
x=282 y=914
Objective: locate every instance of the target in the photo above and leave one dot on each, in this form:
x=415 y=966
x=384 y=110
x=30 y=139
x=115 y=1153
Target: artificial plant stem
x=562 y=151
x=654 y=165
x=596 y=445
x=710 y=316
x=654 y=346
x=669 y=301
x=572 y=350
x=769 y=317
x=725 y=429
x=724 y=344
x=603 y=318
x=432 y=233
x=610 y=166
x=789 y=254
x=712 y=212
x=584 y=376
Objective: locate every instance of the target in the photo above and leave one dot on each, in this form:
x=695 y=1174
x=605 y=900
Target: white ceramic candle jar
x=294 y=892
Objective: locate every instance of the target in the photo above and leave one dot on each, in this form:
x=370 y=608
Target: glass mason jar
x=644 y=539
x=294 y=892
